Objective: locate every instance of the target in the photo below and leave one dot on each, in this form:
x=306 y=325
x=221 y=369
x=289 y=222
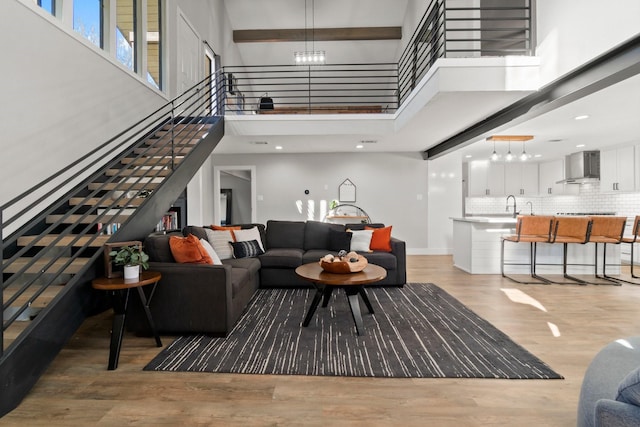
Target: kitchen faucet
x=514 y=204
x=530 y=208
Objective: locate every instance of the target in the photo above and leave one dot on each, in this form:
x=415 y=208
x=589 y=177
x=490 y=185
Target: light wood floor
x=77 y=390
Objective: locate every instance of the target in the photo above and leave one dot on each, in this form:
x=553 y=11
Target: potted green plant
x=132 y=258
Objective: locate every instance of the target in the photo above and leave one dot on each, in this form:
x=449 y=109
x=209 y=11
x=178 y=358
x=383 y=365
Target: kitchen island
x=476 y=250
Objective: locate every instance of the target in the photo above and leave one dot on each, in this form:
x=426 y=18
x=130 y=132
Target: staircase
x=49 y=261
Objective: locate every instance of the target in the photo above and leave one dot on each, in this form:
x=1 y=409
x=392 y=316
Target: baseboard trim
x=429 y=251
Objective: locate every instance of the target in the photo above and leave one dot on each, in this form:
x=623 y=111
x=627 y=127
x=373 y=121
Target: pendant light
x=494 y=156
x=509 y=157
x=313 y=56
x=524 y=156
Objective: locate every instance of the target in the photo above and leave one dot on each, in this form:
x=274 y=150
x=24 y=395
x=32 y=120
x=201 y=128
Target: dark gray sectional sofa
x=290 y=244
x=209 y=299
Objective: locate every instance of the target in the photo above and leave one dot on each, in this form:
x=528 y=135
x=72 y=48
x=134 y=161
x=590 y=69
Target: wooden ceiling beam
x=317 y=34
x=511 y=138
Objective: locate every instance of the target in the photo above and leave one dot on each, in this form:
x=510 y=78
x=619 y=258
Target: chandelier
x=309 y=56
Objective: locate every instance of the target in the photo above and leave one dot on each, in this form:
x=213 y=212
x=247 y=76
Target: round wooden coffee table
x=352 y=283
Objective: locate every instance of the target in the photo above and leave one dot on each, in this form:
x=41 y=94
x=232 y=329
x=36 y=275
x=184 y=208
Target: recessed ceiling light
x=359 y=146
x=537 y=155
x=581 y=117
x=468 y=156
x=278 y=147
x=579 y=145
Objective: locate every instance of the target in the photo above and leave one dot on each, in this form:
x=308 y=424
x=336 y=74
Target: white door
x=188 y=55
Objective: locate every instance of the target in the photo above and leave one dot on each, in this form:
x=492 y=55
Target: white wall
x=210 y=21
x=388 y=185
x=571 y=32
x=445 y=201
x=415 y=10
x=61 y=97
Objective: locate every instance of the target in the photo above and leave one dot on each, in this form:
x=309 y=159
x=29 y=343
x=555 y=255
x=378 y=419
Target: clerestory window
x=48 y=5
x=126 y=33
x=87 y=20
x=154 y=43
x=139 y=51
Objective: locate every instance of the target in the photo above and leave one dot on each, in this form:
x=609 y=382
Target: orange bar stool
x=574 y=230
x=606 y=229
x=532 y=230
x=632 y=240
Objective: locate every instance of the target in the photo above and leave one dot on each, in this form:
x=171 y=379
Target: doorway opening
x=241 y=181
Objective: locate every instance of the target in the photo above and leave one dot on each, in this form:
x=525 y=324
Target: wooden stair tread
x=97 y=201
x=96 y=241
x=163 y=137
x=187 y=142
x=75 y=218
x=198 y=126
x=155 y=161
x=38 y=265
x=180 y=150
x=124 y=186
x=151 y=173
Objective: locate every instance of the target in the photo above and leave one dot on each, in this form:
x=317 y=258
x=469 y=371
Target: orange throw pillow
x=227 y=227
x=189 y=250
x=381 y=239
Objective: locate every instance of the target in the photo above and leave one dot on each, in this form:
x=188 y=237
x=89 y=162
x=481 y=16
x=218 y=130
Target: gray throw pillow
x=339 y=240
x=629 y=388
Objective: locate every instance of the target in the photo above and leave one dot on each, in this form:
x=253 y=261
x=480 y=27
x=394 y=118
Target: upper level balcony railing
x=464 y=29
x=448 y=29
x=297 y=89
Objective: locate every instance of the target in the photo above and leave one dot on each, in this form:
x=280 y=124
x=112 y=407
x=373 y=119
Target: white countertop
x=487 y=219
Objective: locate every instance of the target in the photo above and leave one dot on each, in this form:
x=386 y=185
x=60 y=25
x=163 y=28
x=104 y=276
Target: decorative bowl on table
x=350 y=263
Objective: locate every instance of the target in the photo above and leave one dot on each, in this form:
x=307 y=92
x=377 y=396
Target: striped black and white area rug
x=417 y=331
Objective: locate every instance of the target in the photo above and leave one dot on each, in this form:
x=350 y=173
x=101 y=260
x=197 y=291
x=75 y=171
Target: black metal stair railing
x=140 y=157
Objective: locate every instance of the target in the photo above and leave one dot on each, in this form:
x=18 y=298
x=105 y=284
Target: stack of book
x=108 y=228
x=168 y=222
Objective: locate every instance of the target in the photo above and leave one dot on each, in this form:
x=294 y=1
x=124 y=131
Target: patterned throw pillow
x=246 y=249
x=220 y=239
x=212 y=253
x=248 y=235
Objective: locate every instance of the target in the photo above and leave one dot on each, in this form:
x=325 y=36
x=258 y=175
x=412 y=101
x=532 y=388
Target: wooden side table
x=119 y=289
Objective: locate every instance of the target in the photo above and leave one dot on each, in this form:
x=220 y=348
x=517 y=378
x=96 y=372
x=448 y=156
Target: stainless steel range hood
x=581 y=168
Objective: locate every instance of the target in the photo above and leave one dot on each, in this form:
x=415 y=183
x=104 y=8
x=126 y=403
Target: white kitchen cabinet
x=486 y=178
x=521 y=179
x=550 y=173
x=617 y=169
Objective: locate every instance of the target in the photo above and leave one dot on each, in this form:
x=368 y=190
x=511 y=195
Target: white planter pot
x=131 y=272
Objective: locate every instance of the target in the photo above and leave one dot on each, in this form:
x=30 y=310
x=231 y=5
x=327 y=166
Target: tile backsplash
x=588 y=199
